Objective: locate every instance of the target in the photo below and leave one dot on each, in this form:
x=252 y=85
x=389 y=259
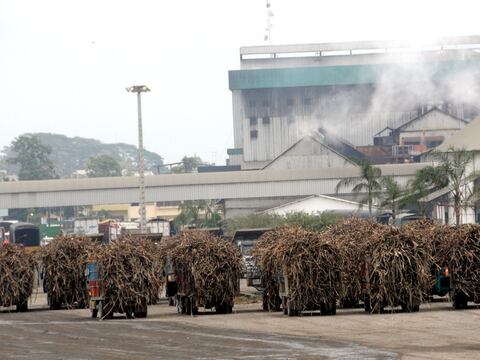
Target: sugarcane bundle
x=207 y=267
x=461 y=252
x=307 y=261
x=131 y=273
x=352 y=236
x=17 y=272
x=264 y=255
x=398 y=270
x=63 y=262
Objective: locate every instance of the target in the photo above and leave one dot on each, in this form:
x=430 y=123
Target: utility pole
x=141 y=159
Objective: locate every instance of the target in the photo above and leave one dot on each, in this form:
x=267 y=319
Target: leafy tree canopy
x=315 y=222
x=189 y=164
x=32 y=156
x=103 y=165
x=200 y=213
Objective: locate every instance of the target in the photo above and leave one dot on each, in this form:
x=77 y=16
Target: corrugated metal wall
x=292 y=113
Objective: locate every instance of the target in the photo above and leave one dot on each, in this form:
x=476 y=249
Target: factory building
x=357 y=92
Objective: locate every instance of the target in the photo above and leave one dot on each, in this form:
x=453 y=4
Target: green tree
x=392 y=195
x=426 y=180
x=369 y=181
x=189 y=164
x=453 y=164
x=315 y=222
x=103 y=165
x=33 y=158
x=200 y=214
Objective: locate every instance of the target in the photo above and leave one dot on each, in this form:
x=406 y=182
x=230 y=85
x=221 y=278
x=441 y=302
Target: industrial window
x=253 y=134
x=307 y=101
x=253 y=121
x=290 y=102
x=252 y=103
x=266 y=120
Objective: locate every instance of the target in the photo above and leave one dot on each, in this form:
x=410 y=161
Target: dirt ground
x=436 y=332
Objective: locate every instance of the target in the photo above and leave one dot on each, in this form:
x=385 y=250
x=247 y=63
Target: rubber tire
x=460 y=301
x=284 y=305
x=331 y=309
x=22 y=306
x=367 y=304
x=140 y=314
x=292 y=312
x=54 y=305
x=189 y=309
x=264 y=302
x=221 y=308
x=106 y=313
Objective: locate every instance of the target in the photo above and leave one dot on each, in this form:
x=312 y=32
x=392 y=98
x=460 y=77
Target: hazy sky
x=64 y=65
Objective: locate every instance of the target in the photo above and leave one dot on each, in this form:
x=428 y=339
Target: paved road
x=70 y=334
x=436 y=332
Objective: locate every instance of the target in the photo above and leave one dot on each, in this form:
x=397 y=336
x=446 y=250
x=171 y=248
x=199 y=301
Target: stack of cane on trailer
x=305 y=268
x=204 y=270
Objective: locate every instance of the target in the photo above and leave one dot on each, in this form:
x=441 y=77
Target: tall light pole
x=141 y=160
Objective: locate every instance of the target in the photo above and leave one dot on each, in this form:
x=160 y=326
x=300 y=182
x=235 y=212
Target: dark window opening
x=266 y=120
x=253 y=134
x=253 y=121
x=290 y=102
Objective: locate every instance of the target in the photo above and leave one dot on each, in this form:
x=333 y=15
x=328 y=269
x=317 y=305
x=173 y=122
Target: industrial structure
x=303 y=118
x=243 y=191
x=357 y=91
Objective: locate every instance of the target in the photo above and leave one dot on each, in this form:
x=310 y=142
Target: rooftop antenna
x=268 y=30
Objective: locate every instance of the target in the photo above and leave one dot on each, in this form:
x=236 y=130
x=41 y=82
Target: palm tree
x=453 y=164
x=368 y=181
x=393 y=194
x=426 y=180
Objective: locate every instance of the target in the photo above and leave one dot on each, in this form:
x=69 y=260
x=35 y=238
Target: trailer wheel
x=221 y=308
x=190 y=308
x=54 y=304
x=141 y=314
x=106 y=312
x=367 y=304
x=265 y=301
x=22 y=306
x=460 y=300
x=291 y=311
x=328 y=309
x=284 y=305
x=410 y=308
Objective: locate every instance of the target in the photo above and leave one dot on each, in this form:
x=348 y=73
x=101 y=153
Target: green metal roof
x=347 y=74
x=235 y=151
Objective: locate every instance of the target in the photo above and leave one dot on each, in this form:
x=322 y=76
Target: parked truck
x=26 y=235
x=81 y=226
x=159 y=226
x=245 y=239
x=110 y=229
